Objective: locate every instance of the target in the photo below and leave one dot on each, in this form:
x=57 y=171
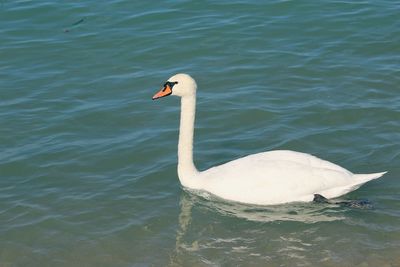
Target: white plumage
x=266 y=178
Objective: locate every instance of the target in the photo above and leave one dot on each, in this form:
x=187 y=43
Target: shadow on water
x=298 y=212
x=190 y=204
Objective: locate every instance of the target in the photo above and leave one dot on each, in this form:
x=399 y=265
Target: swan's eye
x=169 y=84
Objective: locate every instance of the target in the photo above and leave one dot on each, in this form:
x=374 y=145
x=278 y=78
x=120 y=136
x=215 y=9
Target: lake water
x=88 y=160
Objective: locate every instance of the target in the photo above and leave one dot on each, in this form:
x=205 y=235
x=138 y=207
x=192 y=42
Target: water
x=88 y=161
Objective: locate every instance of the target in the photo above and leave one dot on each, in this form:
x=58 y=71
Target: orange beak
x=165 y=91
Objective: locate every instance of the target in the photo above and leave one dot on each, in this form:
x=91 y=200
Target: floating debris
x=75 y=24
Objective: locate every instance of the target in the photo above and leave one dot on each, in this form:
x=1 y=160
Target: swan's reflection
x=185 y=216
x=299 y=212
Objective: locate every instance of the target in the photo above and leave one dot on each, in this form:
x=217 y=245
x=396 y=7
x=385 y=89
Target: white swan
x=265 y=178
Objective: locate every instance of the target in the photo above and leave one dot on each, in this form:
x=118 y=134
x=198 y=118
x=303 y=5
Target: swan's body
x=266 y=178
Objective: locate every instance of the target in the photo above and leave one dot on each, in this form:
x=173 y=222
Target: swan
x=266 y=178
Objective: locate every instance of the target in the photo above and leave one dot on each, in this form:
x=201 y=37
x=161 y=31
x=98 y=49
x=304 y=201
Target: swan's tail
x=363 y=178
x=359 y=180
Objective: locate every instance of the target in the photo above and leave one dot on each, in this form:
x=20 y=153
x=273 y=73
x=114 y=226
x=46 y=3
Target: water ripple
x=88 y=161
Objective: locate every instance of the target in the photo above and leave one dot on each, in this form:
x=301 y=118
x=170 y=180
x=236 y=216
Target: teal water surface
x=88 y=160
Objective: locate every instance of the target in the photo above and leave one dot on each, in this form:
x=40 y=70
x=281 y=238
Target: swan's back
x=279 y=177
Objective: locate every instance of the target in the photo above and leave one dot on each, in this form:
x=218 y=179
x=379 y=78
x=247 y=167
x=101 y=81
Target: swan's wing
x=275 y=177
x=298 y=157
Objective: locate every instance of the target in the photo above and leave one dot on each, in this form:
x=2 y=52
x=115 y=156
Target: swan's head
x=179 y=85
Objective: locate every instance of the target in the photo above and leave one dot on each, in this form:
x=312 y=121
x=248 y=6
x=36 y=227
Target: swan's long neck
x=187 y=172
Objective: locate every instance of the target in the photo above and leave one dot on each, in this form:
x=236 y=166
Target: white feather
x=266 y=178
